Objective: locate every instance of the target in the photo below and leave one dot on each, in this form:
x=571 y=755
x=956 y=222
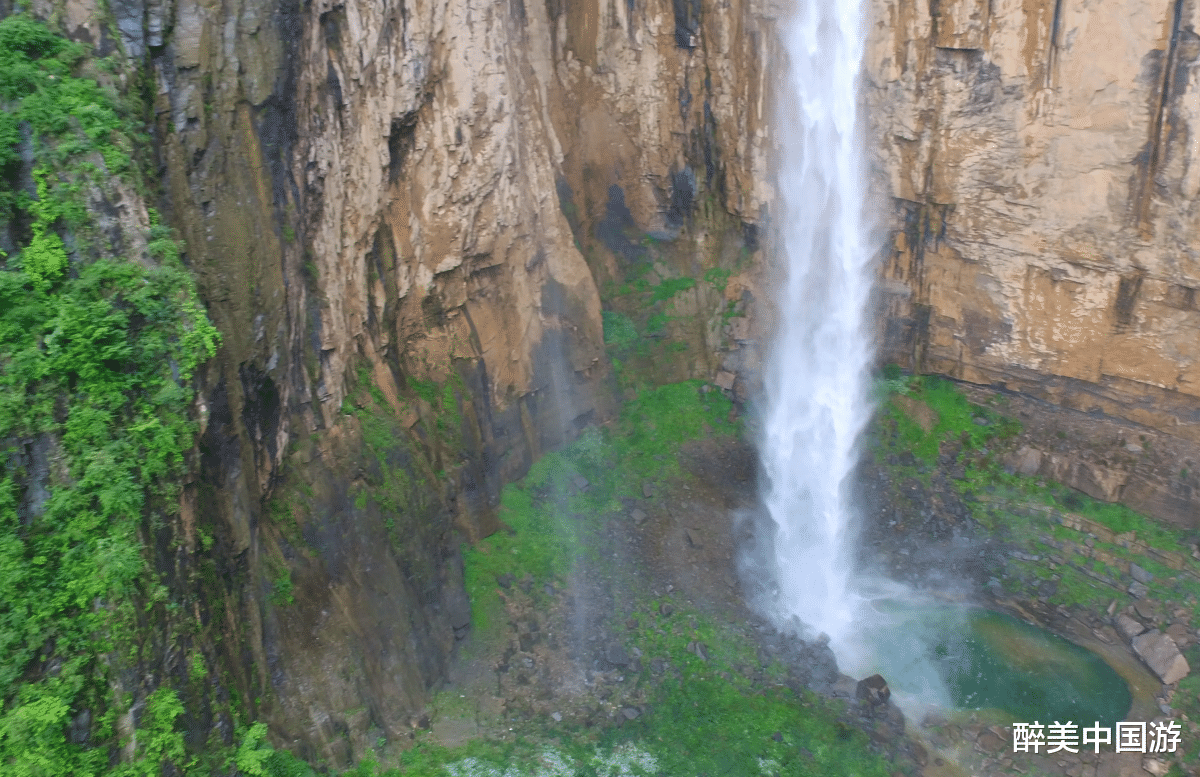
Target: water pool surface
x=962 y=658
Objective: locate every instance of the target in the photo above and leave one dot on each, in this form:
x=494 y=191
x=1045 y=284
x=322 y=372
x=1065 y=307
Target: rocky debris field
x=654 y=601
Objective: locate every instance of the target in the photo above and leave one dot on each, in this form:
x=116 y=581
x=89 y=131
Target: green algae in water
x=999 y=662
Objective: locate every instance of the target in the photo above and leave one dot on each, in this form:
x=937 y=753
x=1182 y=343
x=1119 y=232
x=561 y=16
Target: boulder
x=1139 y=574
x=616 y=655
x=1179 y=633
x=1026 y=461
x=1162 y=655
x=874 y=690
x=1138 y=589
x=1148 y=611
x=1156 y=767
x=990 y=742
x=1129 y=627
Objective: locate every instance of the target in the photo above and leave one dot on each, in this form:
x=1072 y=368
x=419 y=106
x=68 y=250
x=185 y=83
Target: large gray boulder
x=1162 y=656
x=1129 y=627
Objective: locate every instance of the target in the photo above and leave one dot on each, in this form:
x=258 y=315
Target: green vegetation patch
x=551 y=521
x=1028 y=511
x=619 y=330
x=96 y=357
x=670 y=287
x=956 y=416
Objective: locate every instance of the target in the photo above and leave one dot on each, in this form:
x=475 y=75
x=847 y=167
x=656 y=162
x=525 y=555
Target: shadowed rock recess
x=418 y=223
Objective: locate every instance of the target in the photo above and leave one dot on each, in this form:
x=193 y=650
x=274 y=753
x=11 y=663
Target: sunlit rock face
x=1044 y=163
x=436 y=186
x=405 y=191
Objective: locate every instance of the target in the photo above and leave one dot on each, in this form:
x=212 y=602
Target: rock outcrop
x=400 y=197
x=1042 y=161
x=1162 y=655
x=423 y=199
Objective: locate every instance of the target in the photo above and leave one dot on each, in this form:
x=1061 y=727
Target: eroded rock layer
x=399 y=196
x=1043 y=162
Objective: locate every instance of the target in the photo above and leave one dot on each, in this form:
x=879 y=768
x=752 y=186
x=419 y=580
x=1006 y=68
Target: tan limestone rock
x=1160 y=653
x=1043 y=176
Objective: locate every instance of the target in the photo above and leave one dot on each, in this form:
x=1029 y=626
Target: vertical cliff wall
x=406 y=217
x=1042 y=159
x=387 y=207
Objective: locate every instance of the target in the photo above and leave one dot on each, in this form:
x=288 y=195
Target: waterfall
x=817 y=398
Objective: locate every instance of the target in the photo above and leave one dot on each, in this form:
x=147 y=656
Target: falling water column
x=816 y=379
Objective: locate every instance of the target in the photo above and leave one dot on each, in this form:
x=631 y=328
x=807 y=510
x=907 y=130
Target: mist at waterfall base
x=817 y=402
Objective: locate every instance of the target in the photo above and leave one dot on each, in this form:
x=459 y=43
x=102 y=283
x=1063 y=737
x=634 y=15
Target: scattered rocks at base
x=648 y=488
x=692 y=539
x=1160 y=653
x=1180 y=634
x=1147 y=610
x=616 y=655
x=1154 y=766
x=873 y=690
x=990 y=742
x=1138 y=589
x=1139 y=574
x=638 y=515
x=1128 y=627
x=631 y=713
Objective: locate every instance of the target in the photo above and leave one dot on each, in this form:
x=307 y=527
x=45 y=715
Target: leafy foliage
x=619 y=330
x=957 y=417
x=96 y=354
x=256 y=758
x=670 y=287
x=642 y=445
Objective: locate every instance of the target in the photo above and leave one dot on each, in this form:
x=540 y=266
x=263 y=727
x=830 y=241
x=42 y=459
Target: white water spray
x=817 y=375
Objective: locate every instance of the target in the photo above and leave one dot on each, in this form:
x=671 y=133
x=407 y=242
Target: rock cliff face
x=397 y=198
x=423 y=199
x=1042 y=157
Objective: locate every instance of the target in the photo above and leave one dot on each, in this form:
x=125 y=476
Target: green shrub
x=619 y=330
x=96 y=358
x=670 y=287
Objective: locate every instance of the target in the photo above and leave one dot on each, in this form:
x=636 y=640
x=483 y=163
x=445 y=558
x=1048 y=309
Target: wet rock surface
x=1048 y=565
x=583 y=655
x=690 y=551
